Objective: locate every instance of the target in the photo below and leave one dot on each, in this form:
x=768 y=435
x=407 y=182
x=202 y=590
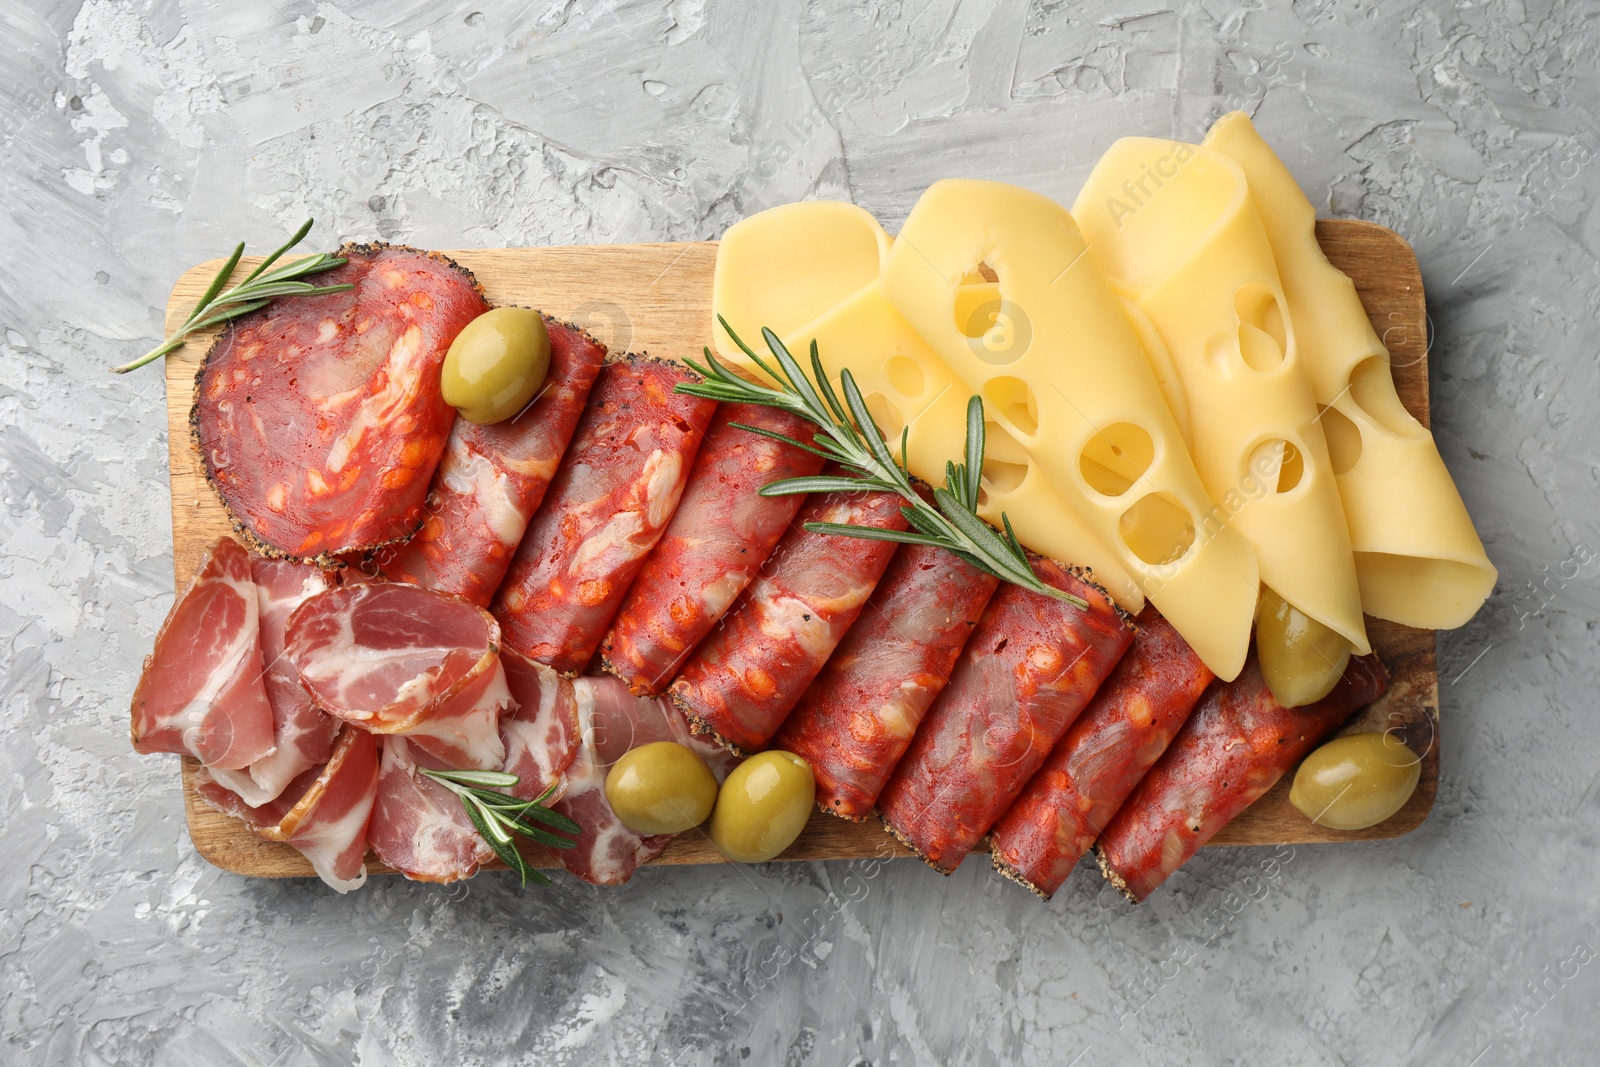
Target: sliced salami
x=320 y=420
x=493 y=478
x=1030 y=668
x=743 y=680
x=1234 y=747
x=857 y=719
x=1088 y=775
x=617 y=488
x=201 y=689
x=721 y=534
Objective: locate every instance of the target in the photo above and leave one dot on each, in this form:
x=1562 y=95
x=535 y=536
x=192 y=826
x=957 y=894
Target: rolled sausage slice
x=1234 y=747
x=1088 y=775
x=493 y=478
x=617 y=488
x=857 y=718
x=320 y=420
x=742 y=681
x=721 y=534
x=1030 y=668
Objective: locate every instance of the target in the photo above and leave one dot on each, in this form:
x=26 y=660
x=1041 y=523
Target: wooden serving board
x=657 y=298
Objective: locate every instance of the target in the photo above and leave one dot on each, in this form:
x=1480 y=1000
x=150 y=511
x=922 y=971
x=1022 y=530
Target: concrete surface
x=138 y=138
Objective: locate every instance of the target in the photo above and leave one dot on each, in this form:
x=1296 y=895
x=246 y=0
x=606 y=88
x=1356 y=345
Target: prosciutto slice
x=201 y=690
x=541 y=734
x=324 y=813
x=320 y=420
x=493 y=478
x=302 y=733
x=397 y=659
x=419 y=827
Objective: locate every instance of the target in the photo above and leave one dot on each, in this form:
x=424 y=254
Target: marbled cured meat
x=201 y=690
x=743 y=680
x=617 y=488
x=1234 y=747
x=1096 y=765
x=320 y=420
x=398 y=659
x=541 y=733
x=858 y=717
x=721 y=534
x=419 y=827
x=324 y=812
x=493 y=478
x=302 y=732
x=1030 y=668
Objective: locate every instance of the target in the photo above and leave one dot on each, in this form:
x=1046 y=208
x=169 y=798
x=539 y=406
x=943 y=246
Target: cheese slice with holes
x=1062 y=371
x=1417 y=557
x=1174 y=229
x=829 y=246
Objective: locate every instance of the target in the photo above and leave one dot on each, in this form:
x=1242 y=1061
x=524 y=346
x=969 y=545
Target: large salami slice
x=398 y=659
x=320 y=420
x=201 y=690
x=743 y=680
x=618 y=486
x=857 y=719
x=721 y=534
x=492 y=479
x=1095 y=766
x=1234 y=747
x=1031 y=666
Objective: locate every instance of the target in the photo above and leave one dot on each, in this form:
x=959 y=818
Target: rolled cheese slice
x=1417 y=557
x=828 y=246
x=1175 y=230
x=1061 y=370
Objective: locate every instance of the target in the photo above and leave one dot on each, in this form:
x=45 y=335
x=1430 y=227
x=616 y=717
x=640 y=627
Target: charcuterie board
x=656 y=298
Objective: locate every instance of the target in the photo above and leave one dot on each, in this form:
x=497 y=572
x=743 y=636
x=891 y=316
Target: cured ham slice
x=419 y=827
x=541 y=735
x=201 y=690
x=398 y=659
x=721 y=534
x=302 y=733
x=1096 y=765
x=613 y=721
x=324 y=813
x=1234 y=747
x=857 y=719
x=619 y=484
x=493 y=478
x=744 y=679
x=320 y=420
x=1030 y=667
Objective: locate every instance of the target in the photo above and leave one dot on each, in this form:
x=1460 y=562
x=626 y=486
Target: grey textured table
x=136 y=139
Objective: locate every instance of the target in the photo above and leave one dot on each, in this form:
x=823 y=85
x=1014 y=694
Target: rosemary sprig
x=255 y=292
x=848 y=436
x=497 y=816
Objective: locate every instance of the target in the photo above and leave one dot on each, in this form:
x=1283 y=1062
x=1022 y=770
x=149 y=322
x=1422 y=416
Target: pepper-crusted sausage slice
x=320 y=420
x=617 y=488
x=743 y=679
x=857 y=719
x=1029 y=669
x=1095 y=766
x=721 y=534
x=1235 y=747
x=493 y=478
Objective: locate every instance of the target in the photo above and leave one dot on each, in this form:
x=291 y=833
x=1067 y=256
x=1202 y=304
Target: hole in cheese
x=1116 y=457
x=1157 y=529
x=1262 y=338
x=1276 y=463
x=1372 y=388
x=1013 y=402
x=904 y=376
x=1003 y=477
x=885 y=414
x=1344 y=439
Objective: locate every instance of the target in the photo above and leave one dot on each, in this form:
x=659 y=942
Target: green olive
x=496 y=364
x=763 y=806
x=1355 y=781
x=661 y=788
x=1301 y=659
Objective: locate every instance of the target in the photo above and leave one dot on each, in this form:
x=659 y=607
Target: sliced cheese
x=1175 y=230
x=1418 y=559
x=1065 y=376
